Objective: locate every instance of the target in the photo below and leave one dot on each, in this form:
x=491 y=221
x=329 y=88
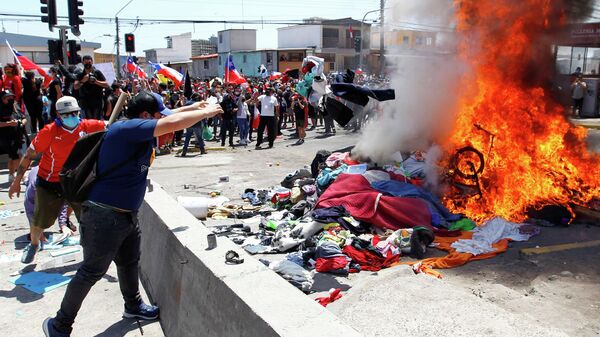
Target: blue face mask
x=70 y=122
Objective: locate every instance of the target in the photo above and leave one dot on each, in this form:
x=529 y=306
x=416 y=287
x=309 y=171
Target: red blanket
x=355 y=193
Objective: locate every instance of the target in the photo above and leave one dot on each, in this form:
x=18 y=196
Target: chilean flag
x=132 y=67
x=169 y=73
x=27 y=64
x=231 y=74
x=275 y=75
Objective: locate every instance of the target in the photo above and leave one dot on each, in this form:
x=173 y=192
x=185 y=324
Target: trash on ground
x=40 y=282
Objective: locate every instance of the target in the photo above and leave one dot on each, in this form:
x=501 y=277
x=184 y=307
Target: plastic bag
x=207 y=133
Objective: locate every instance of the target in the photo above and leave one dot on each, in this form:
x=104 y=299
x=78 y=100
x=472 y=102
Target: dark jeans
x=329 y=125
x=250 y=122
x=577 y=106
x=270 y=123
x=279 y=124
x=34 y=109
x=93 y=111
x=188 y=137
x=106 y=236
x=227 y=125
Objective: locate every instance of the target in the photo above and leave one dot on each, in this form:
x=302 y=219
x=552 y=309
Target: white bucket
x=198 y=206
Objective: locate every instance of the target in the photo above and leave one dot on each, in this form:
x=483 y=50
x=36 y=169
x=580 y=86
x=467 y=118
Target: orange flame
x=533 y=155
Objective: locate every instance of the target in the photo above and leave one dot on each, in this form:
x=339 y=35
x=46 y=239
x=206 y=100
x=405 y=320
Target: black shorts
x=312 y=112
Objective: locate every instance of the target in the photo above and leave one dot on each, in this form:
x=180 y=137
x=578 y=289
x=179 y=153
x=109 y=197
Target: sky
x=152 y=35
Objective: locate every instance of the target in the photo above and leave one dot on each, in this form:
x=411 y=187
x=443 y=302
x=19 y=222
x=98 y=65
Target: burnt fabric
x=359 y=94
x=363 y=202
x=338 y=214
x=369 y=260
x=318 y=162
x=338 y=111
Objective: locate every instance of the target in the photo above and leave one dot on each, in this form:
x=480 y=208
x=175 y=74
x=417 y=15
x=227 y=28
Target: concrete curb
x=200 y=295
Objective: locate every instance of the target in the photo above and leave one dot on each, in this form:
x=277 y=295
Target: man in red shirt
x=54 y=142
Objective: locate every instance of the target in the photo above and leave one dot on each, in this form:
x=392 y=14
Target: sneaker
x=29 y=253
x=257 y=147
x=143 y=311
x=300 y=142
x=50 y=330
x=203 y=151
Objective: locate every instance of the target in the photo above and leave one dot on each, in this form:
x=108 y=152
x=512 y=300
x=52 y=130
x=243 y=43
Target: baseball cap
x=7 y=92
x=148 y=101
x=66 y=104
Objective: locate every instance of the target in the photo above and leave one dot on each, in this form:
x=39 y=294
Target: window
x=429 y=41
x=419 y=41
x=331 y=66
x=592 y=61
x=220 y=38
x=577 y=58
x=269 y=57
x=331 y=37
x=205 y=64
x=244 y=57
x=405 y=40
x=41 y=57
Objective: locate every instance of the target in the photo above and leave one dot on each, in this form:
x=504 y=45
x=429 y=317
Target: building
x=247 y=62
x=231 y=40
x=204 y=46
x=35 y=48
x=205 y=66
x=177 y=54
x=330 y=39
x=291 y=58
x=112 y=58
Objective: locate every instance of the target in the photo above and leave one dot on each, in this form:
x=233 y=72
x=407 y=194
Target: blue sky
x=152 y=36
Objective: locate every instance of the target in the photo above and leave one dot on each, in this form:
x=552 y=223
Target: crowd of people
x=76 y=101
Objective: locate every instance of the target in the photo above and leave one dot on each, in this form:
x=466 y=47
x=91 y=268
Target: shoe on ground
x=143 y=311
x=257 y=147
x=29 y=253
x=50 y=330
x=300 y=142
x=203 y=151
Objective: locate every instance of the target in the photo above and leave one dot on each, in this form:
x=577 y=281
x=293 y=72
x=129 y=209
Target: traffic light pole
x=118 y=43
x=63 y=42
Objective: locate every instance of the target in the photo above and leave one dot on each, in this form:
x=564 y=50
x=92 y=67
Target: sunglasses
x=69 y=114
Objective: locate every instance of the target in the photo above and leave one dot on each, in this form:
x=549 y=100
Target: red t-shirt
x=55 y=144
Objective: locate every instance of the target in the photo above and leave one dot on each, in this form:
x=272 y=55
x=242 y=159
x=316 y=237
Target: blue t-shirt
x=125 y=186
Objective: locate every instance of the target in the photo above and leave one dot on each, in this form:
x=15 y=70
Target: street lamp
x=117 y=39
x=362 y=37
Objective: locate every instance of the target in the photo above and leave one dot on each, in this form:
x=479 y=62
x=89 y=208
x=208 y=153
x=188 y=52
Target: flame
x=533 y=155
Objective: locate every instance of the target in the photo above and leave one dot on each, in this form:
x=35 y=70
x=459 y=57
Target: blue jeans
x=188 y=137
x=243 y=127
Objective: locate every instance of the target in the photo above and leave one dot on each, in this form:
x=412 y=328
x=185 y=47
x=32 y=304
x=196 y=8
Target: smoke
x=425 y=77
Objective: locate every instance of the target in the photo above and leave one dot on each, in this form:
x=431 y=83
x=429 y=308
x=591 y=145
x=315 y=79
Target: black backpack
x=79 y=173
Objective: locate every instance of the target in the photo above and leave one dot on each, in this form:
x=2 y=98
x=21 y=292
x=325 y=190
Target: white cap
x=66 y=104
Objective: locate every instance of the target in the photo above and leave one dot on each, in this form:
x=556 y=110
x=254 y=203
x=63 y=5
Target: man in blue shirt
x=109 y=218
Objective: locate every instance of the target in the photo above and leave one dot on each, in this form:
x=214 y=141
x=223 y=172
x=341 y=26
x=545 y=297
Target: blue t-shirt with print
x=125 y=186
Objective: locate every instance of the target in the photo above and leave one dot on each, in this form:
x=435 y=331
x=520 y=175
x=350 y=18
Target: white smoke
x=425 y=80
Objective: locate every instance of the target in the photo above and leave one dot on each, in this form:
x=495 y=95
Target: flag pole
x=14 y=55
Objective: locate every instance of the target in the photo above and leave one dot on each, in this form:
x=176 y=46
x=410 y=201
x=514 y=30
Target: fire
x=533 y=155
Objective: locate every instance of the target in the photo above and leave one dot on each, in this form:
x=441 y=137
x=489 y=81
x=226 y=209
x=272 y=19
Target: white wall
x=299 y=37
x=181 y=51
x=236 y=40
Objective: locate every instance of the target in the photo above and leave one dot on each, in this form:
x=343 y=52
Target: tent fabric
x=360 y=95
x=364 y=203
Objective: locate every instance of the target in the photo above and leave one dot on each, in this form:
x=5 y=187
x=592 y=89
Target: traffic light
x=55 y=51
x=72 y=48
x=357 y=44
x=75 y=14
x=50 y=10
x=130 y=43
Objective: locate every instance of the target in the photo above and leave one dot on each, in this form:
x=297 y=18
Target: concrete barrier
x=200 y=295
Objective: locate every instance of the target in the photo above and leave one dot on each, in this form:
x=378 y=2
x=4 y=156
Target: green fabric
x=463 y=225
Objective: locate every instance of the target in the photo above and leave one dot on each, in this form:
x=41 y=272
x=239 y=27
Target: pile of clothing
x=343 y=216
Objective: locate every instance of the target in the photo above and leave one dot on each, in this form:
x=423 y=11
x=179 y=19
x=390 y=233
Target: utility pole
x=63 y=42
x=362 y=37
x=381 y=40
x=118 y=43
